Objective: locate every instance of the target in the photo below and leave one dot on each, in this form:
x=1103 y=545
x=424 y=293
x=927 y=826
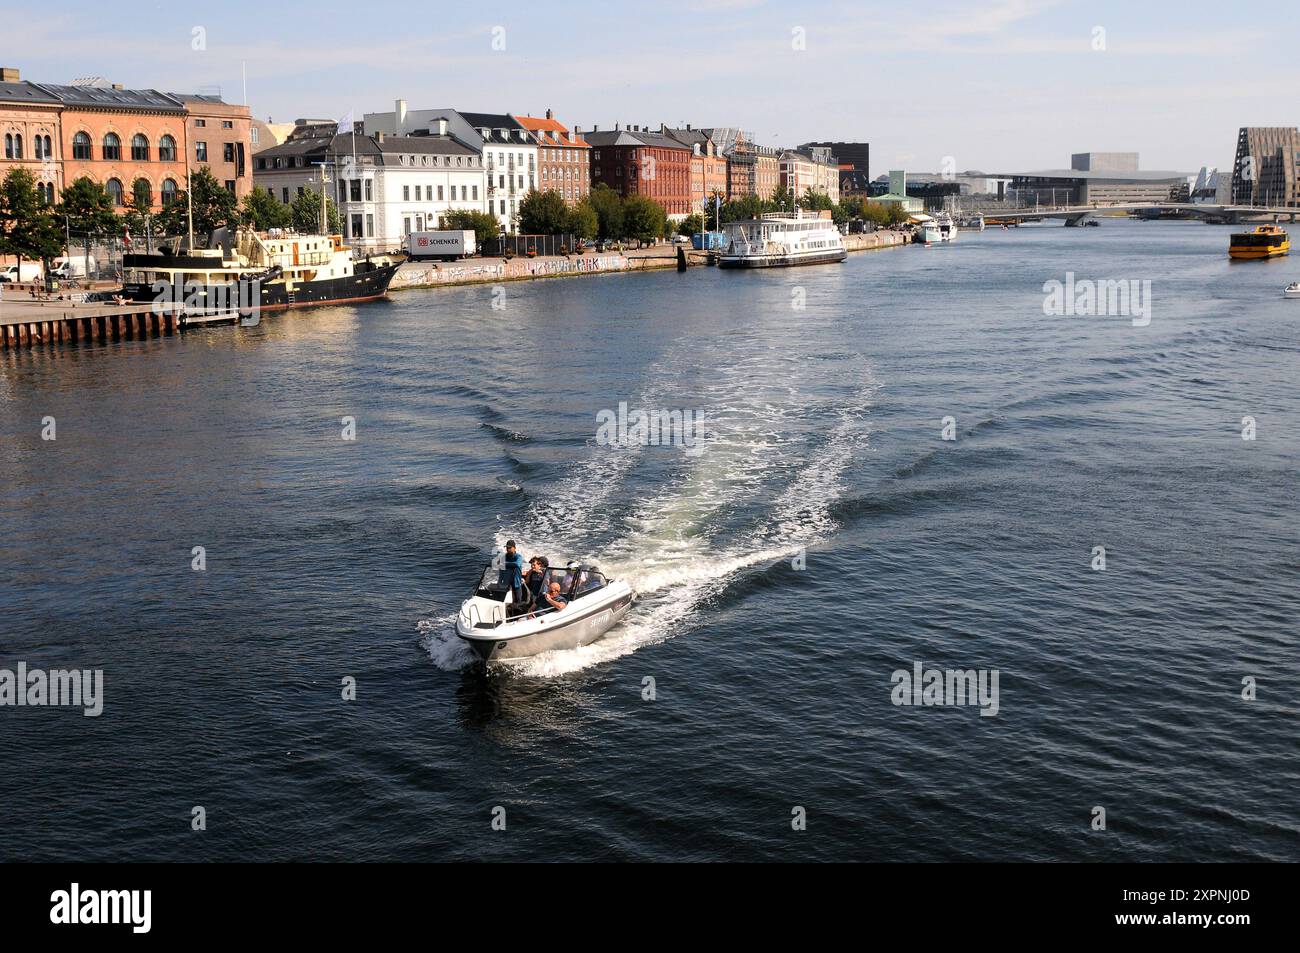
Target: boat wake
x=681 y=528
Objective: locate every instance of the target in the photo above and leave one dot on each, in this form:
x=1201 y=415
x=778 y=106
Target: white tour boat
x=779 y=240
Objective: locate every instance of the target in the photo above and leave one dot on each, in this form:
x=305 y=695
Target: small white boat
x=497 y=628
x=1292 y=290
x=974 y=222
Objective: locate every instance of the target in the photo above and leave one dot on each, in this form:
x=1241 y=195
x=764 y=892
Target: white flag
x=345 y=124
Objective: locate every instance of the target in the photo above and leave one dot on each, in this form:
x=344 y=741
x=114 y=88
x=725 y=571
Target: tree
x=87 y=209
x=543 y=213
x=28 y=228
x=215 y=206
x=644 y=218
x=583 y=221
x=484 y=225
x=691 y=224
x=608 y=206
x=262 y=211
x=304 y=213
x=138 y=218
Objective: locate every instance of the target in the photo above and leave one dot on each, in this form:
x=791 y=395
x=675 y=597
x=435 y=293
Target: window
x=139 y=148
x=406 y=193
x=252 y=135
x=40 y=148
x=476 y=193
x=370 y=226
x=354 y=190
x=406 y=224
x=168 y=191
x=201 y=123
x=200 y=152
x=227 y=124
x=356 y=226
x=440 y=193
x=464 y=193
x=230 y=186
x=302 y=191
x=9 y=145
x=370 y=190
x=142 y=193
x=503 y=206
x=284 y=195
x=114 y=189
x=81 y=146
x=112 y=147
x=166 y=149
x=228 y=152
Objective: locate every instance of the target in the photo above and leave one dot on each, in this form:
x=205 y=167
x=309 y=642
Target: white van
x=31 y=271
x=73 y=267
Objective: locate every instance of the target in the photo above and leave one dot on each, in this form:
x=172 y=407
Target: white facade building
x=391 y=186
x=507 y=148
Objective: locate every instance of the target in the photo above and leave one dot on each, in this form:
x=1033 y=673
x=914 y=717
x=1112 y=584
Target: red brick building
x=131 y=141
x=635 y=161
x=563 y=158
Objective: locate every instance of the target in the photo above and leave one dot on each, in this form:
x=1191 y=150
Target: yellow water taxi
x=1266 y=241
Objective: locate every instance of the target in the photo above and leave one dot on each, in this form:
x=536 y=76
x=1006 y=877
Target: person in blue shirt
x=512 y=574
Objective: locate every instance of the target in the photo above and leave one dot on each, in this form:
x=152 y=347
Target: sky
x=999 y=85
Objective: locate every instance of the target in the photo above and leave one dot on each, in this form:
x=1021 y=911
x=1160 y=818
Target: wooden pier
x=35 y=323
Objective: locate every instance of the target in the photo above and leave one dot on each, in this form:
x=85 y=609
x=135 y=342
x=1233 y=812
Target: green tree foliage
x=543 y=213
x=29 y=230
x=87 y=209
x=304 y=213
x=609 y=212
x=214 y=207
x=583 y=220
x=691 y=224
x=643 y=218
x=261 y=210
x=484 y=225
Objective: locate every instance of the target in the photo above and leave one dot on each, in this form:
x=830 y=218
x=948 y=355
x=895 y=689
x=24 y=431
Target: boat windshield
x=575 y=582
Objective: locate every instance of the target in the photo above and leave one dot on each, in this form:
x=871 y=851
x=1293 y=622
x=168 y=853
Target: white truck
x=73 y=267
x=444 y=245
x=30 y=271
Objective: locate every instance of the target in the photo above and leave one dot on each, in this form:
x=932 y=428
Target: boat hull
x=1254 y=254
x=783 y=261
x=368 y=285
x=585 y=625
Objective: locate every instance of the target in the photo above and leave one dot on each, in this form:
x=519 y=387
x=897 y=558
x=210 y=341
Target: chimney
x=118 y=86
x=442 y=127
x=616 y=127
x=8 y=74
x=688 y=127
x=595 y=127
x=549 y=114
x=399 y=117
x=379 y=137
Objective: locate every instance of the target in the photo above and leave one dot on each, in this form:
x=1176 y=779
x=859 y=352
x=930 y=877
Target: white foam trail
x=672 y=554
x=438 y=636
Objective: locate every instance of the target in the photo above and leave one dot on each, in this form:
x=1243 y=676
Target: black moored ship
x=246 y=270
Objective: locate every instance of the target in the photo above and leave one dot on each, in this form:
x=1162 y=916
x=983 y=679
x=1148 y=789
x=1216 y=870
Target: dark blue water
x=329 y=558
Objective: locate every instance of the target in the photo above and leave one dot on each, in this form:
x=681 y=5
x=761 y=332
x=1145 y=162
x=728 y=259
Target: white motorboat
x=974 y=222
x=1292 y=290
x=940 y=229
x=497 y=628
x=780 y=240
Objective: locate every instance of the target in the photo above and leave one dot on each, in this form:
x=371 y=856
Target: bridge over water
x=1075 y=215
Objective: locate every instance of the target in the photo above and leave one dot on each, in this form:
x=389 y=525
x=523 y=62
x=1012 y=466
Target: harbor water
x=260 y=536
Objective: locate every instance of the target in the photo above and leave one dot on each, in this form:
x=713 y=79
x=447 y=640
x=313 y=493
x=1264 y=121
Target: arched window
x=81 y=146
x=114 y=189
x=112 y=146
x=142 y=192
x=9 y=145
x=18 y=146
x=168 y=191
x=40 y=147
x=166 y=149
x=46 y=192
x=139 y=148
x=49 y=148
